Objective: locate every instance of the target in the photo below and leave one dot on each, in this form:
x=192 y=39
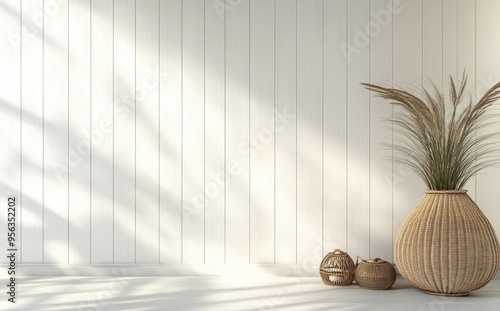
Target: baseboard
x=227 y=270
x=145 y=269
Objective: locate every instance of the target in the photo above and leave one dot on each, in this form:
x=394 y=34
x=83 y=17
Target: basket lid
x=338 y=252
x=371 y=261
x=337 y=259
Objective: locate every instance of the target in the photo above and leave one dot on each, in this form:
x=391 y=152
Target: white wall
x=118 y=116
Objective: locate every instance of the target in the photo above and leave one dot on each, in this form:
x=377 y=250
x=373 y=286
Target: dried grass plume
x=444 y=144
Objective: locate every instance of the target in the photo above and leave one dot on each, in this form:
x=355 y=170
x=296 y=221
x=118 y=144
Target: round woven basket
x=447 y=246
x=337 y=268
x=374 y=274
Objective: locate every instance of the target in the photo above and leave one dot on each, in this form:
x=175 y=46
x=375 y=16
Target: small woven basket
x=337 y=269
x=374 y=274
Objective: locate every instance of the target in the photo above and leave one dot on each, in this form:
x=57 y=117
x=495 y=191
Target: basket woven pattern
x=375 y=274
x=337 y=268
x=447 y=246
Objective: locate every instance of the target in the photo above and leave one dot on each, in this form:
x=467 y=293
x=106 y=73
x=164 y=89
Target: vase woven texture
x=447 y=246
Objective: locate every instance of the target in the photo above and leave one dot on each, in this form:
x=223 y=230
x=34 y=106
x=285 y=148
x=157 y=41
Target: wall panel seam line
x=249 y=131
x=225 y=168
x=135 y=131
x=21 y=130
x=369 y=138
x=347 y=129
x=90 y=144
x=323 y=128
x=67 y=155
x=159 y=132
x=392 y=126
x=43 y=135
x=475 y=75
x=442 y=44
x=274 y=126
x=204 y=134
x=113 y=139
x=182 y=131
x=296 y=135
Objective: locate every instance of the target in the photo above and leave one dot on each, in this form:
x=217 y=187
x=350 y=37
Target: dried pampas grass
x=444 y=148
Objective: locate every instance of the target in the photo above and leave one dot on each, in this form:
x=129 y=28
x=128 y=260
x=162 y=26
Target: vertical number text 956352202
x=11 y=249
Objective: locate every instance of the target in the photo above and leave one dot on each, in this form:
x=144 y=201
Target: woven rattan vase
x=447 y=246
x=374 y=274
x=337 y=268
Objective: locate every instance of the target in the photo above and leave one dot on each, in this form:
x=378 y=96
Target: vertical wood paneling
x=487 y=62
x=358 y=130
x=432 y=48
x=194 y=131
x=262 y=131
x=309 y=128
x=334 y=121
x=467 y=58
x=237 y=133
x=124 y=131
x=55 y=141
x=147 y=131
x=79 y=124
x=10 y=118
x=32 y=135
x=450 y=42
x=214 y=135
x=286 y=131
x=170 y=131
x=101 y=128
x=193 y=127
x=407 y=73
x=381 y=209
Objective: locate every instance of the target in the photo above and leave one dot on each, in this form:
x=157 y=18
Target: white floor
x=224 y=293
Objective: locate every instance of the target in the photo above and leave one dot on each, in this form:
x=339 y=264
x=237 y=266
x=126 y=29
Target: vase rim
x=445 y=191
